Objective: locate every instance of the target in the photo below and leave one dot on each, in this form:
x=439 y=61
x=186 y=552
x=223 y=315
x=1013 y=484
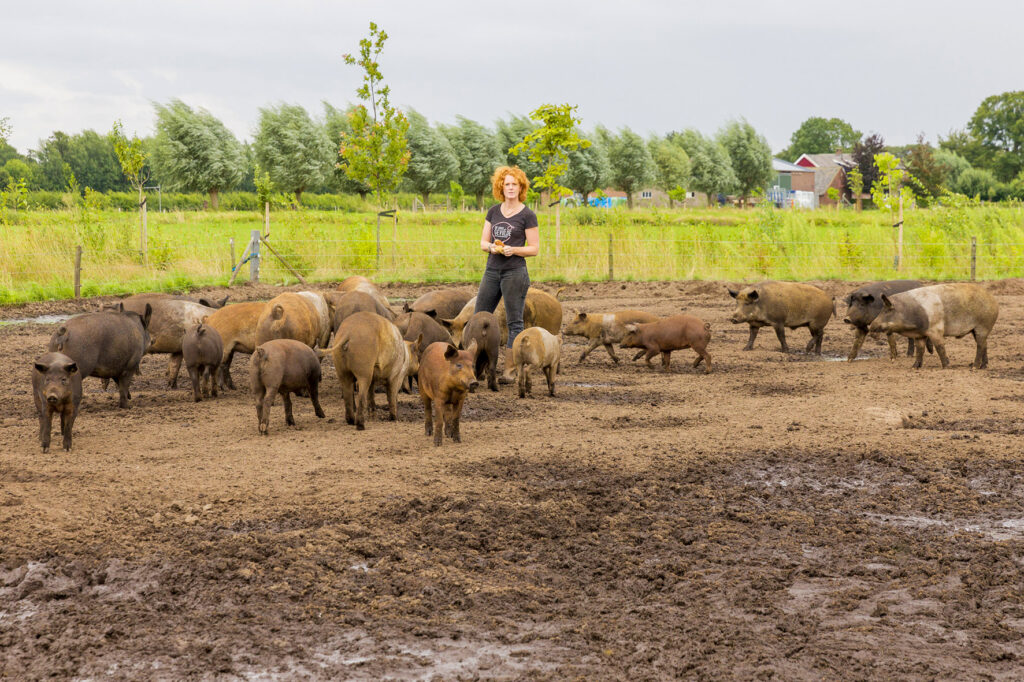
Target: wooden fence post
x=254 y=257
x=611 y=258
x=974 y=257
x=145 y=240
x=231 y=242
x=266 y=219
x=78 y=271
x=899 y=243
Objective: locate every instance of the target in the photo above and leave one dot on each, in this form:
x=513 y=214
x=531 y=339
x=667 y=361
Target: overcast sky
x=896 y=67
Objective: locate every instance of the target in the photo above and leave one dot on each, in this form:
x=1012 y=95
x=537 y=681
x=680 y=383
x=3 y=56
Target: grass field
x=192 y=248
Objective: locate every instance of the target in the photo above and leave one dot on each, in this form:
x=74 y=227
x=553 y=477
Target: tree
x=588 y=170
x=337 y=123
x=951 y=164
x=132 y=158
x=749 y=155
x=195 y=152
x=478 y=153
x=976 y=182
x=855 y=183
x=998 y=125
x=376 y=150
x=292 y=148
x=890 y=184
x=5 y=128
x=819 y=135
x=15 y=170
x=922 y=164
x=864 y=153
x=512 y=132
x=549 y=145
x=630 y=166
x=671 y=167
x=432 y=161
x=968 y=147
x=710 y=167
x=91 y=157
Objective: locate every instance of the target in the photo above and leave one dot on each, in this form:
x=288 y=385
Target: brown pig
x=782 y=305
x=541 y=309
x=483 y=329
x=605 y=328
x=360 y=283
x=671 y=333
x=283 y=366
x=368 y=348
x=236 y=325
x=343 y=305
x=445 y=377
x=290 y=316
x=56 y=387
x=202 y=350
x=108 y=345
x=939 y=311
x=536 y=347
x=446 y=303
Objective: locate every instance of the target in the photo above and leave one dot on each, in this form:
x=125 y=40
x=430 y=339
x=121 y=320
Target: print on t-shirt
x=501 y=231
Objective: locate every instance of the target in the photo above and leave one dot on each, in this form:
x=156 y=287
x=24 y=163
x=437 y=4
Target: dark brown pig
x=202 y=349
x=445 y=377
x=863 y=306
x=483 y=329
x=290 y=316
x=936 y=312
x=366 y=349
x=360 y=283
x=671 y=333
x=236 y=325
x=446 y=303
x=343 y=305
x=782 y=305
x=171 y=318
x=108 y=345
x=283 y=366
x=539 y=348
x=56 y=387
x=605 y=328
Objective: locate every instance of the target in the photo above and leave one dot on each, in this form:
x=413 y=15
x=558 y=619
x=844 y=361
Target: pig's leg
x=123 y=385
x=286 y=397
x=266 y=404
x=438 y=422
x=105 y=383
x=348 y=389
x=492 y=373
x=456 y=412
x=638 y=355
x=173 y=367
x=549 y=374
x=67 y=420
x=666 y=358
x=594 y=343
x=702 y=354
x=428 y=422
x=780 y=332
x=858 y=341
x=213 y=369
x=981 y=354
x=940 y=349
x=195 y=375
x=817 y=336
x=364 y=396
x=314 y=396
x=910 y=348
x=259 y=394
x=524 y=380
x=753 y=336
x=45 y=425
x=648 y=354
x=393 y=400
x=225 y=370
x=919 y=347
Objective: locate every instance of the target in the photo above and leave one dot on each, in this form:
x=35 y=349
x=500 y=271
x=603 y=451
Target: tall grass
x=191 y=248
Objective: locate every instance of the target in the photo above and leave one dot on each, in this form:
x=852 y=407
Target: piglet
x=202 y=350
x=669 y=334
x=445 y=377
x=536 y=347
x=283 y=366
x=56 y=387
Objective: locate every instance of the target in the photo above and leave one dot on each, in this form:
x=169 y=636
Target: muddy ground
x=787 y=516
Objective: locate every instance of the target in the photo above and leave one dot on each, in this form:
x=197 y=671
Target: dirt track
x=786 y=516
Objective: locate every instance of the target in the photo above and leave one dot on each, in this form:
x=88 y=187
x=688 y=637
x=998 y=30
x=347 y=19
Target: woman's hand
x=507 y=250
x=495 y=248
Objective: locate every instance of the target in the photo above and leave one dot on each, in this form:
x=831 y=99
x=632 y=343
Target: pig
x=208 y=301
x=56 y=387
x=360 y=283
x=368 y=348
x=605 y=328
x=236 y=325
x=323 y=316
x=416 y=324
x=541 y=309
x=283 y=366
x=108 y=345
x=290 y=316
x=784 y=304
x=483 y=329
x=935 y=312
x=202 y=349
x=343 y=305
x=445 y=377
x=536 y=347
x=863 y=306
x=666 y=335
x=446 y=303
x=172 y=317
x=456 y=324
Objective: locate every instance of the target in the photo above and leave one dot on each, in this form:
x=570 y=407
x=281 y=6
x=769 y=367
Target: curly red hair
x=498 y=182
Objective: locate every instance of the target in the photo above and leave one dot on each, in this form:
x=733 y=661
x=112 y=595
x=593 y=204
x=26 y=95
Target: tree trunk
x=298 y=197
x=586 y=198
x=214 y=198
x=629 y=200
x=858 y=203
x=426 y=198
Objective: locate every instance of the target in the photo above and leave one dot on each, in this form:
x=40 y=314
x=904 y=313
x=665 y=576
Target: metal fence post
x=974 y=256
x=254 y=257
x=78 y=271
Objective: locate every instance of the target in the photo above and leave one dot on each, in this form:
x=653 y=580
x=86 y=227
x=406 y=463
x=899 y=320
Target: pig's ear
x=41 y=367
x=200 y=329
x=886 y=301
x=205 y=301
x=278 y=312
x=148 y=314
x=120 y=307
x=630 y=328
x=71 y=367
x=418 y=344
x=406 y=308
x=867 y=298
x=446 y=322
x=450 y=352
x=732 y=292
x=581 y=316
x=223 y=302
x=431 y=313
x=753 y=295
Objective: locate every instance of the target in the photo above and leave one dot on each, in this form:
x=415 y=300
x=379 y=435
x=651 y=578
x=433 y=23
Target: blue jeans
x=510 y=285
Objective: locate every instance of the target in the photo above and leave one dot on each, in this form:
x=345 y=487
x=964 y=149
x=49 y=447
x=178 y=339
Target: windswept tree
x=671 y=168
x=952 y=165
x=336 y=123
x=749 y=155
x=479 y=155
x=512 y=132
x=376 y=150
x=588 y=170
x=432 y=161
x=195 y=152
x=293 y=149
x=819 y=135
x=132 y=157
x=629 y=162
x=710 y=168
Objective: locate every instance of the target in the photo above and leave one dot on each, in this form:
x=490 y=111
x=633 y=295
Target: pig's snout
x=737 y=318
x=846 y=320
x=52 y=399
x=473 y=384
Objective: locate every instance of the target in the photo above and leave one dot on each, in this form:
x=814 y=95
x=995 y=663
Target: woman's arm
x=485 y=239
x=532 y=243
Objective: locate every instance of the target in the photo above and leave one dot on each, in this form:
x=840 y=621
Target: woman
x=515 y=226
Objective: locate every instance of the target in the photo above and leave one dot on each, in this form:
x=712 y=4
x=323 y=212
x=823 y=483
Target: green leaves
x=550 y=144
x=131 y=156
x=293 y=149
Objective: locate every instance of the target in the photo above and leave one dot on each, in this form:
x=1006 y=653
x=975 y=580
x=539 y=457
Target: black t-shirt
x=511 y=231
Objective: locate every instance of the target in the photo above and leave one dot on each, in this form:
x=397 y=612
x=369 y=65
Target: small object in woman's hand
x=499 y=243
